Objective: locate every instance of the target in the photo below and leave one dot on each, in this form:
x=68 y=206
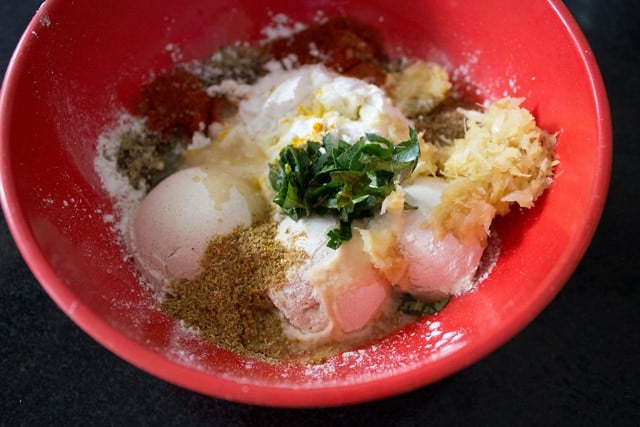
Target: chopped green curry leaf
x=411 y=306
x=349 y=181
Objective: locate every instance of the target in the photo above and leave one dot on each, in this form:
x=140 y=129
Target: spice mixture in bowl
x=303 y=205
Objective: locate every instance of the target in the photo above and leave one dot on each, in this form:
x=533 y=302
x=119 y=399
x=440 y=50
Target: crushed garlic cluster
x=504 y=157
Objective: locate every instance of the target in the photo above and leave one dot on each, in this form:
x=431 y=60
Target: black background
x=576 y=364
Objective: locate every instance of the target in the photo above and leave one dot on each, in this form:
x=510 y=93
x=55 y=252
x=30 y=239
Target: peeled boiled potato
x=171 y=228
x=436 y=268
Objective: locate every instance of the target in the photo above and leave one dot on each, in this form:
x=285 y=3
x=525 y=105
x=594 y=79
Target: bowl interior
x=80 y=64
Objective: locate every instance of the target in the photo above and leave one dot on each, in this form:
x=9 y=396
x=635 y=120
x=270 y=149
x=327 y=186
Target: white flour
x=124 y=196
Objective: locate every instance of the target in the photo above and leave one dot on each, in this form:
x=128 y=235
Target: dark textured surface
x=576 y=364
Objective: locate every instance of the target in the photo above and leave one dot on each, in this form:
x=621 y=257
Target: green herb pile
x=349 y=181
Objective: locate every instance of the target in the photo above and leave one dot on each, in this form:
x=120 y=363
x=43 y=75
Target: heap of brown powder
x=445 y=122
x=147 y=157
x=228 y=303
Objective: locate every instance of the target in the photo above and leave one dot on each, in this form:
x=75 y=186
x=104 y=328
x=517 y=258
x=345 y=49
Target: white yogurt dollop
x=306 y=103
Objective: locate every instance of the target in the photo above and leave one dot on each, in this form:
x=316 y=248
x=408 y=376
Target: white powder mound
x=124 y=196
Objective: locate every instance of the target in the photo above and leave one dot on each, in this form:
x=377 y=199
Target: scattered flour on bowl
x=45 y=20
x=386 y=358
x=461 y=76
x=513 y=85
x=281 y=26
x=133 y=300
x=175 y=52
x=186 y=347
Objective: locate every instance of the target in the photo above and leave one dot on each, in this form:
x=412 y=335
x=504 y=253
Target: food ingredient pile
x=306 y=194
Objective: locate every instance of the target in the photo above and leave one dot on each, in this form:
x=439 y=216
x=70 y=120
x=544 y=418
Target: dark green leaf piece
x=348 y=181
x=411 y=306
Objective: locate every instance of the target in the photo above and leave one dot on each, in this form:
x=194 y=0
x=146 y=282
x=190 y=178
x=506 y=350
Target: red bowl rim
x=290 y=395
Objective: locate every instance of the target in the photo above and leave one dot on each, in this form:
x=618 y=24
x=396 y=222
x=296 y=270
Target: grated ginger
x=418 y=88
x=504 y=158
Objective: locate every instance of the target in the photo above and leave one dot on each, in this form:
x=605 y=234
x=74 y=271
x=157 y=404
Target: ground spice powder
x=445 y=122
x=147 y=157
x=342 y=44
x=175 y=103
x=228 y=303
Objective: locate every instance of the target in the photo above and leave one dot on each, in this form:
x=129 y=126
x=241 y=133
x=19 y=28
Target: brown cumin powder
x=228 y=303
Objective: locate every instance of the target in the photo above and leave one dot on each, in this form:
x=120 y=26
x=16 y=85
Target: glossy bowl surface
x=80 y=63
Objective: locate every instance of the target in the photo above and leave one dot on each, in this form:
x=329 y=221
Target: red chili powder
x=176 y=102
x=342 y=44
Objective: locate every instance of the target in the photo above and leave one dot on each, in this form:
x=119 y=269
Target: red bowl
x=79 y=63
